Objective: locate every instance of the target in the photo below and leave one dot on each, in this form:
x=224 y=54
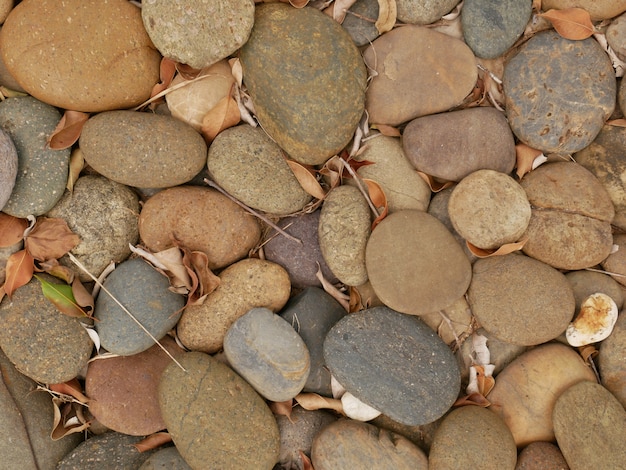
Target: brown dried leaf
x=166 y=74
x=485 y=382
x=68 y=418
x=237 y=70
x=62 y=298
x=51 y=238
x=355 y=303
x=337 y=10
x=378 y=198
x=306 y=462
x=434 y=185
x=333 y=170
x=82 y=296
x=298 y=3
x=503 y=250
x=570 y=23
x=525 y=157
x=313 y=401
x=77 y=163
x=386 y=15
x=473 y=399
x=68 y=130
x=153 y=441
x=307 y=180
x=57 y=270
x=617 y=122
x=172 y=259
x=71 y=388
x=282 y=408
x=11 y=229
x=389 y=131
x=587 y=351
x=339 y=296
x=19 y=270
x=203 y=280
x=225 y=114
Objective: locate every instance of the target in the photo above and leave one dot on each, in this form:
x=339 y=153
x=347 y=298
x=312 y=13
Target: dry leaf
x=68 y=418
x=337 y=10
x=525 y=157
x=153 y=441
x=536 y=5
x=307 y=180
x=62 y=298
x=172 y=259
x=617 y=122
x=236 y=70
x=167 y=71
x=77 y=163
x=57 y=270
x=83 y=298
x=68 y=130
x=11 y=229
x=282 y=408
x=503 y=250
x=198 y=263
x=339 y=296
x=473 y=399
x=225 y=114
x=51 y=238
x=337 y=389
x=71 y=388
x=434 y=185
x=378 y=198
x=306 y=462
x=19 y=270
x=389 y=131
x=386 y=15
x=313 y=401
x=570 y=23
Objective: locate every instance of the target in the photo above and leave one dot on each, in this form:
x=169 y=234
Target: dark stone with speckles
x=360 y=30
x=165 y=459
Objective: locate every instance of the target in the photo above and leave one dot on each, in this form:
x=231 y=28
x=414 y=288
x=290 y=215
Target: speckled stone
x=616 y=36
x=360 y=29
x=165 y=459
x=8 y=167
x=541 y=456
x=598 y=9
x=615 y=263
x=41 y=172
x=423 y=11
x=584 y=283
x=611 y=361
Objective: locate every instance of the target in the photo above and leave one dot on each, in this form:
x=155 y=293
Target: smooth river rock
x=8 y=167
x=598 y=9
x=541 y=456
x=167 y=458
x=585 y=283
x=356 y=21
x=615 y=263
x=423 y=11
x=611 y=362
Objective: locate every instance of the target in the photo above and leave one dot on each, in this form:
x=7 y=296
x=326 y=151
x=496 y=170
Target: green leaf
x=62 y=298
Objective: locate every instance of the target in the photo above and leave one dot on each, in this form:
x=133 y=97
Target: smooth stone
x=6 y=79
x=404 y=257
x=104 y=214
x=165 y=459
x=598 y=9
x=541 y=456
x=558 y=93
x=491 y=28
x=589 y=406
x=615 y=263
x=312 y=313
x=5 y=8
x=452 y=145
x=44 y=344
x=611 y=362
x=360 y=29
x=41 y=172
x=527 y=389
x=423 y=11
x=616 y=36
x=422 y=436
x=123 y=389
x=145 y=293
x=196 y=32
x=270 y=355
x=80 y=55
x=250 y=166
x=200 y=219
x=403 y=187
x=417 y=72
x=475 y=436
x=300 y=260
x=570 y=226
x=453 y=324
x=311 y=108
x=8 y=167
x=343 y=231
x=395 y=363
x=108 y=451
x=586 y=283
x=215 y=418
x=147 y=150
x=244 y=285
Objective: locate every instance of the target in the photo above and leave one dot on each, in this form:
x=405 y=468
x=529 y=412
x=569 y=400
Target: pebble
x=451 y=146
x=5 y=8
x=590 y=407
x=475 y=436
x=196 y=32
x=570 y=226
x=541 y=456
x=250 y=166
x=611 y=362
x=586 y=283
x=312 y=107
x=8 y=167
x=423 y=12
x=104 y=215
x=394 y=363
x=615 y=263
x=167 y=458
x=352 y=444
x=598 y=9
x=558 y=92
x=412 y=59
x=41 y=172
x=356 y=21
x=200 y=219
x=6 y=79
x=344 y=228
x=404 y=258
x=143 y=149
x=44 y=344
x=491 y=28
x=80 y=55
x=145 y=293
x=616 y=36
x=312 y=313
x=215 y=418
x=244 y=285
x=527 y=389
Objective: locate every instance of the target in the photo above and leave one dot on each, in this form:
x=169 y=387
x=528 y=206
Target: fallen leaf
x=386 y=15
x=51 y=238
x=153 y=441
x=70 y=388
x=313 y=401
x=11 y=229
x=337 y=10
x=525 y=159
x=473 y=399
x=77 y=163
x=339 y=296
x=68 y=418
x=298 y=3
x=68 y=130
x=93 y=335
x=172 y=259
x=355 y=302
x=197 y=263
x=618 y=64
x=237 y=70
x=307 y=180
x=306 y=462
x=434 y=185
x=62 y=298
x=57 y=270
x=570 y=23
x=19 y=270
x=503 y=250
x=588 y=351
x=282 y=408
x=617 y=122
x=333 y=169
x=389 y=131
x=83 y=298
x=378 y=198
x=167 y=70
x=225 y=114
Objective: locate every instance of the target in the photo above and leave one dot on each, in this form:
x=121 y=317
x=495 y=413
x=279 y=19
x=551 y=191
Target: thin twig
x=360 y=186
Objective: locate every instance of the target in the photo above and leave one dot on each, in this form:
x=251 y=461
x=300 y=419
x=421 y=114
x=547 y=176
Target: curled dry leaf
x=386 y=15
x=571 y=23
x=435 y=185
x=153 y=441
x=203 y=280
x=19 y=270
x=50 y=238
x=11 y=229
x=307 y=179
x=306 y=462
x=617 y=122
x=68 y=418
x=77 y=163
x=378 y=198
x=83 y=298
x=313 y=401
x=225 y=114
x=172 y=259
x=389 y=131
x=57 y=270
x=473 y=399
x=167 y=71
x=337 y=10
x=355 y=302
x=339 y=296
x=503 y=250
x=68 y=130
x=282 y=408
x=72 y=389
x=62 y=298
x=525 y=159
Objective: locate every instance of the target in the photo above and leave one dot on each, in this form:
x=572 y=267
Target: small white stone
x=595 y=322
x=356 y=409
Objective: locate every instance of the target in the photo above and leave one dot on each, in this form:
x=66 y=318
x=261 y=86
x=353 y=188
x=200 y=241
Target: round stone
x=423 y=11
x=358 y=22
x=404 y=257
x=167 y=458
x=558 y=92
x=80 y=55
x=611 y=361
x=586 y=283
x=616 y=35
x=541 y=455
x=198 y=33
x=598 y=9
x=312 y=107
x=8 y=167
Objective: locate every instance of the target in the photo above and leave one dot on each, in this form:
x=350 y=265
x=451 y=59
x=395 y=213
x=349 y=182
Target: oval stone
x=8 y=167
x=616 y=37
x=585 y=283
x=312 y=107
x=215 y=418
x=356 y=21
x=167 y=458
x=611 y=360
x=404 y=257
x=395 y=363
x=423 y=11
x=80 y=55
x=598 y=9
x=558 y=93
x=541 y=456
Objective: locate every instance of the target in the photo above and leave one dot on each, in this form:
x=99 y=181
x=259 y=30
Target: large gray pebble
x=8 y=167
x=165 y=459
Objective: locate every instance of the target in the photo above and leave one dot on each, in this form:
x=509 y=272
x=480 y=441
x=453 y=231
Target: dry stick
x=358 y=183
x=80 y=265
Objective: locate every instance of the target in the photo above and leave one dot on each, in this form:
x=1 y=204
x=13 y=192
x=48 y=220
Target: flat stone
x=80 y=55
x=215 y=418
x=541 y=455
x=356 y=22
x=198 y=33
x=8 y=167
x=148 y=151
x=423 y=11
x=311 y=108
x=165 y=459
x=145 y=293
x=598 y=9
x=586 y=283
x=41 y=172
x=616 y=35
x=611 y=361
x=558 y=93
x=394 y=363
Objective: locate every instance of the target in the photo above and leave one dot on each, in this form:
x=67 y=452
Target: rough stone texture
x=590 y=406
x=541 y=456
x=79 y=54
x=404 y=257
x=585 y=283
x=527 y=389
x=616 y=35
x=621 y=96
x=6 y=79
x=423 y=11
x=360 y=30
x=144 y=292
x=612 y=361
x=453 y=145
x=343 y=231
x=44 y=344
x=5 y=8
x=250 y=166
x=165 y=459
x=198 y=33
x=200 y=219
x=475 y=436
x=215 y=418
x=558 y=92
x=41 y=172
x=616 y=262
x=394 y=363
x=8 y=167
x=598 y=9
x=312 y=107
x=353 y=444
x=419 y=72
x=148 y=150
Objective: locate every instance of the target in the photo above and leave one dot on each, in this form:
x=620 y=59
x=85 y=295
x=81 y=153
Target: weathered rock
x=598 y=9
x=6 y=79
x=80 y=55
x=615 y=263
x=616 y=35
x=611 y=361
x=541 y=456
x=421 y=436
x=8 y=167
x=585 y=283
x=165 y=459
x=356 y=22
x=423 y=11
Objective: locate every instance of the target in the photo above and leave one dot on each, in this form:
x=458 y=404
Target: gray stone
x=423 y=11
x=611 y=360
x=394 y=363
x=585 y=283
x=165 y=459
x=598 y=9
x=8 y=167
x=356 y=21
